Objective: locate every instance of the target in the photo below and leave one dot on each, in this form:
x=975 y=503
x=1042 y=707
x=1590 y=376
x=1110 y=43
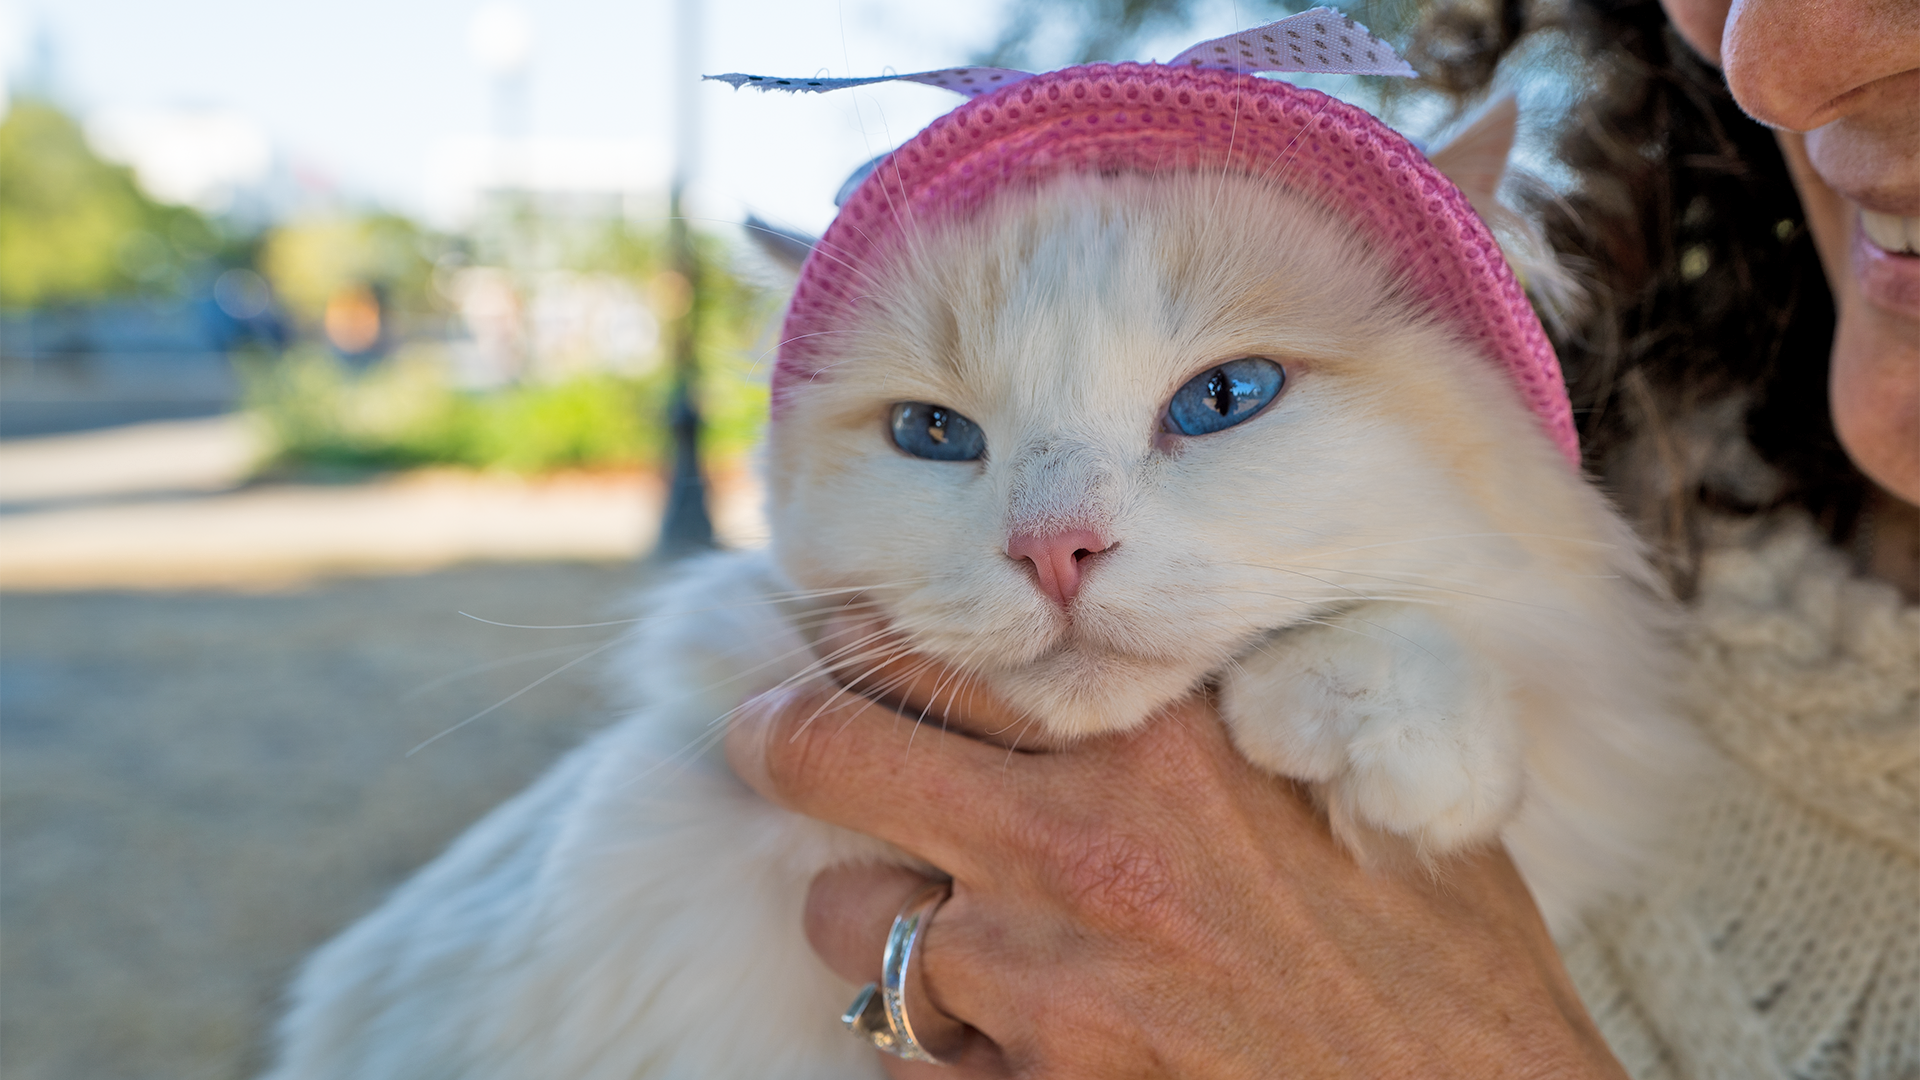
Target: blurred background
x=332 y=338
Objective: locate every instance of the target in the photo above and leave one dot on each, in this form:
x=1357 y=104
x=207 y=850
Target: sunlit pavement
x=198 y=787
x=166 y=505
x=208 y=695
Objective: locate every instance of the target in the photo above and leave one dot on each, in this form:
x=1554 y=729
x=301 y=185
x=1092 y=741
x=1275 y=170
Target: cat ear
x=1476 y=159
x=785 y=247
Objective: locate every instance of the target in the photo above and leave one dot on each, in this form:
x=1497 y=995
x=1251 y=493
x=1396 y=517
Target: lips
x=1885 y=263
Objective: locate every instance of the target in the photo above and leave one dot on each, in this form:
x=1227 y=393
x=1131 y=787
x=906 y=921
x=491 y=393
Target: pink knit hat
x=1163 y=118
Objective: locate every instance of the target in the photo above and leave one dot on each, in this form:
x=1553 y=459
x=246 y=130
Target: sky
x=371 y=95
x=375 y=97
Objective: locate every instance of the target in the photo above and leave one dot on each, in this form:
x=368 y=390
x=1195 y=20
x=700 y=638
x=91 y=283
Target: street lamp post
x=686 y=527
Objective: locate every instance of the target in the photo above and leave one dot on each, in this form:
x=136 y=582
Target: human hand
x=1150 y=905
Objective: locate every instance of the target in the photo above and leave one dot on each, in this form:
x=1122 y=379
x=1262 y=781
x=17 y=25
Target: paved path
x=165 y=505
x=196 y=788
x=205 y=719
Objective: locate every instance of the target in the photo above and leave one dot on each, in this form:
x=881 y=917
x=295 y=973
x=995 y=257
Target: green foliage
x=322 y=417
x=76 y=228
x=311 y=259
x=565 y=412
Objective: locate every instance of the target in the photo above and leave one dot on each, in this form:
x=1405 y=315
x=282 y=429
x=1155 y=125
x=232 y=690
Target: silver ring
x=879 y=1013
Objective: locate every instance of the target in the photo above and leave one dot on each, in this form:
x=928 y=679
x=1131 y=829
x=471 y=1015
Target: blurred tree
x=405 y=411
x=76 y=228
x=313 y=261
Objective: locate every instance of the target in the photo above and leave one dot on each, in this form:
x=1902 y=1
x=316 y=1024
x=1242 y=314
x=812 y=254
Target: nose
x=1801 y=64
x=1056 y=558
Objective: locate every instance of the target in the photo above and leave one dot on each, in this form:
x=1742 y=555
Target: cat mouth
x=1088 y=642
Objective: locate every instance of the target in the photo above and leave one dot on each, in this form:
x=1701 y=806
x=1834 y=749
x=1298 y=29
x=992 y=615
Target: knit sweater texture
x=1783 y=940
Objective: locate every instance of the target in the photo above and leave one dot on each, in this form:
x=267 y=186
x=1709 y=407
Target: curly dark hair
x=1699 y=371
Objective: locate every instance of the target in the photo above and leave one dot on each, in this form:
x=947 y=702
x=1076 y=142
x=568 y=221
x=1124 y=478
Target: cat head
x=1091 y=440
x=1106 y=374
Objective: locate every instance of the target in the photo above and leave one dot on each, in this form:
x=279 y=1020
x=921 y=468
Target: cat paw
x=1401 y=725
x=1441 y=781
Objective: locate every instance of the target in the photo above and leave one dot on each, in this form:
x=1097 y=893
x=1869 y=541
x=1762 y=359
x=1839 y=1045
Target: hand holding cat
x=1153 y=905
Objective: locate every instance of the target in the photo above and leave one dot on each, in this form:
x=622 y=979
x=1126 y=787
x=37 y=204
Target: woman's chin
x=1875 y=390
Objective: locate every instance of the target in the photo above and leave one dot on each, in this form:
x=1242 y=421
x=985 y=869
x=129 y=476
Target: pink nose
x=1056 y=558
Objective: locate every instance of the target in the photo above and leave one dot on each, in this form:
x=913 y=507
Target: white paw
x=1441 y=781
x=1393 y=715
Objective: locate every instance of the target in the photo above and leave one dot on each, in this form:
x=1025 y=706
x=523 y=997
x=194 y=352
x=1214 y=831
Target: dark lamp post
x=686 y=529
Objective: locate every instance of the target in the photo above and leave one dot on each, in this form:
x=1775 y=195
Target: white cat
x=1098 y=444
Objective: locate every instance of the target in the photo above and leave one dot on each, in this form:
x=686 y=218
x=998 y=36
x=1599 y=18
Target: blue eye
x=1235 y=391
x=936 y=432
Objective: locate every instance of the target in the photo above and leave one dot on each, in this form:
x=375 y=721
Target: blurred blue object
x=78 y=366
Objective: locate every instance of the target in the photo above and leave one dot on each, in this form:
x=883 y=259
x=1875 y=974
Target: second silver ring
x=896 y=965
x=879 y=1014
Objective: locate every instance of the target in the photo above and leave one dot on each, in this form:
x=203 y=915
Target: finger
x=978 y=1059
x=869 y=659
x=1185 y=751
x=837 y=757
x=850 y=908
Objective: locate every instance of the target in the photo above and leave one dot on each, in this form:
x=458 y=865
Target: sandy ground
x=203 y=761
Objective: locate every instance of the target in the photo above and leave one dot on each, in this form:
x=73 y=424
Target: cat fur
x=1400 y=590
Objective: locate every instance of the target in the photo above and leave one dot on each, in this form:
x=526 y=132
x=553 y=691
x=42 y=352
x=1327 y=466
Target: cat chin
x=1075 y=694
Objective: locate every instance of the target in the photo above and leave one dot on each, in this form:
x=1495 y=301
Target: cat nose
x=1056 y=558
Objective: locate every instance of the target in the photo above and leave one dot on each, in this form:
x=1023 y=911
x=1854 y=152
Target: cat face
x=1206 y=384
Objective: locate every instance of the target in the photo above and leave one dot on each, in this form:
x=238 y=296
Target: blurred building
x=469 y=179
x=536 y=292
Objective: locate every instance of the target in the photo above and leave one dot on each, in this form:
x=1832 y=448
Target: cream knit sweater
x=1785 y=940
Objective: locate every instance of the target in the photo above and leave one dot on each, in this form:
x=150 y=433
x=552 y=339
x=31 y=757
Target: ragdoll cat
x=1100 y=437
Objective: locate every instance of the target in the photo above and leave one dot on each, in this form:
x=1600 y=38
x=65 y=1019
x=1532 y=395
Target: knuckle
x=1115 y=882
x=801 y=750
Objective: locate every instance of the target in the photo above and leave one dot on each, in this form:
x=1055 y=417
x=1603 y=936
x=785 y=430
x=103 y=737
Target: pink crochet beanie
x=1162 y=118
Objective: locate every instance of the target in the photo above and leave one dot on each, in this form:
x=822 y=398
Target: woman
x=1153 y=907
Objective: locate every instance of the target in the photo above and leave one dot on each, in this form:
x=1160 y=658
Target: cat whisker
x=1346 y=600
x=771 y=599
x=1233 y=136
x=523 y=691
x=1354 y=593
x=834 y=699
x=1277 y=172
x=552 y=626
x=1410 y=579
x=1581 y=540
x=716 y=729
x=809 y=594
x=1421 y=586
x=491 y=665
x=747 y=673
x=950 y=685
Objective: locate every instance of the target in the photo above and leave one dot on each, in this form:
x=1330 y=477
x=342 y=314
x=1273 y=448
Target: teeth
x=1889 y=233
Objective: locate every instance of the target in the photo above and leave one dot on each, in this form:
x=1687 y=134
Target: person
x=1152 y=906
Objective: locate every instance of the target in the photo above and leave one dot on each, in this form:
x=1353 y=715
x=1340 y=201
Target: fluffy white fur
x=1401 y=590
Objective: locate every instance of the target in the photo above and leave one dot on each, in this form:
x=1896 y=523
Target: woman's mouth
x=1899 y=235
x=1886 y=262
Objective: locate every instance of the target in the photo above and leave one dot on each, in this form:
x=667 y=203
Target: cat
x=1113 y=438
